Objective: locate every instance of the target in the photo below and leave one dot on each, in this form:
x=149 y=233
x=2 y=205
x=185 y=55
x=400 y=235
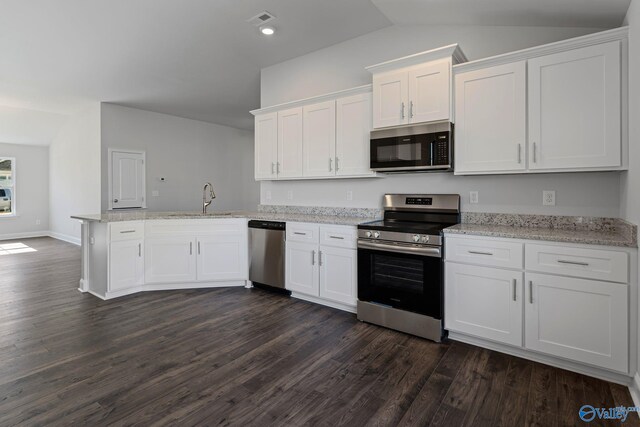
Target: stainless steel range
x=400 y=268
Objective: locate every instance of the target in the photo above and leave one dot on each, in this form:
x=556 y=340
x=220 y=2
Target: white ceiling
x=536 y=13
x=199 y=58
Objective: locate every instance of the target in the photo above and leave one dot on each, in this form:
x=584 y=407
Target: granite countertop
x=267 y=216
x=579 y=230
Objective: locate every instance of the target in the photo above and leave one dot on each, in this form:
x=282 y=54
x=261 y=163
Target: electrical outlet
x=473 y=197
x=38 y=222
x=289 y=195
x=549 y=198
x=155 y=193
x=349 y=195
x=268 y=195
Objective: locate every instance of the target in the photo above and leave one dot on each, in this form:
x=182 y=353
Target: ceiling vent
x=261 y=19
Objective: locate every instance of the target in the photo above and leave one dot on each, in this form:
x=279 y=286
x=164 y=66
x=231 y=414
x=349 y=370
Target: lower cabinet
x=170 y=260
x=578 y=319
x=318 y=270
x=126 y=264
x=485 y=302
x=221 y=257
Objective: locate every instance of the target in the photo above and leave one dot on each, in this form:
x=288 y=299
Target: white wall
x=342 y=66
x=74 y=164
x=31 y=191
x=188 y=153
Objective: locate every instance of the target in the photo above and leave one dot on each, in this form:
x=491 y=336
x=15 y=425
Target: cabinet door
x=222 y=256
x=484 y=302
x=353 y=128
x=289 y=164
x=580 y=320
x=338 y=274
x=574 y=109
x=319 y=139
x=390 y=99
x=170 y=260
x=266 y=145
x=491 y=127
x=126 y=264
x=302 y=268
x=430 y=92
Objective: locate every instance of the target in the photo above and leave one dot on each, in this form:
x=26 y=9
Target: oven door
x=402 y=276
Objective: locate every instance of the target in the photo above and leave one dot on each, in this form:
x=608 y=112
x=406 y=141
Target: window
x=7 y=186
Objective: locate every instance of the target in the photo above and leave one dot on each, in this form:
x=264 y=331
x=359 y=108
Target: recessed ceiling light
x=267 y=30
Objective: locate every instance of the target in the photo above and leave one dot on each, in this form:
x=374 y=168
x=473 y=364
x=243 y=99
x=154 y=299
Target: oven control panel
x=392 y=236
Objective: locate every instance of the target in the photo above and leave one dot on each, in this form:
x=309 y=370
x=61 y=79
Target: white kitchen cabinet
x=126 y=264
x=338 y=274
x=430 y=92
x=266 y=146
x=484 y=302
x=322 y=263
x=302 y=268
x=353 y=128
x=390 y=99
x=575 y=108
x=319 y=139
x=578 y=319
x=170 y=259
x=290 y=158
x=491 y=127
x=222 y=256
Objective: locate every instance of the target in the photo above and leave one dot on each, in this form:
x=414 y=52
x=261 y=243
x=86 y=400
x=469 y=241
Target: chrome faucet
x=212 y=196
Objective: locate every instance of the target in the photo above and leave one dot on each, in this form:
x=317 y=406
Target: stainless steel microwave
x=417 y=148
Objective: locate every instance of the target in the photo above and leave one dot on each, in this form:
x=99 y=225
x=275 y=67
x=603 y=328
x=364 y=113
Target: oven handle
x=410 y=250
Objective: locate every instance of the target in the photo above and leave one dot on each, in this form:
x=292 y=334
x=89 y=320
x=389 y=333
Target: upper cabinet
x=414 y=89
x=568 y=95
x=325 y=137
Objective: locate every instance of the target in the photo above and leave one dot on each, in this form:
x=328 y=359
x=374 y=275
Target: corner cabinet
x=321 y=264
x=319 y=138
x=558 y=303
x=570 y=95
x=414 y=89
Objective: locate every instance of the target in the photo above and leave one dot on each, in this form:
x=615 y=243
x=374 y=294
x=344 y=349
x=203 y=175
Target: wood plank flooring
x=238 y=357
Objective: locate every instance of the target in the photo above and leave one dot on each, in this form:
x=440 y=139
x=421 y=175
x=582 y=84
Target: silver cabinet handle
x=535 y=156
x=410 y=109
x=198 y=248
x=330 y=164
x=514 y=283
x=402 y=110
x=530 y=292
x=519 y=153
x=299 y=233
x=313 y=257
x=273 y=168
x=480 y=253
x=139 y=250
x=336 y=237
x=337 y=163
x=190 y=248
x=278 y=167
x=320 y=258
x=565 y=261
x=127 y=231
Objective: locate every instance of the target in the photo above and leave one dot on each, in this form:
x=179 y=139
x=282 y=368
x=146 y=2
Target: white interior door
x=430 y=92
x=319 y=139
x=127 y=180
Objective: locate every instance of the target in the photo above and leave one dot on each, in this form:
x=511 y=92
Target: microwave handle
x=431 y=148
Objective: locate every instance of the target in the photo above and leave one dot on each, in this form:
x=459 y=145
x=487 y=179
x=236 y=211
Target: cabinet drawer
x=598 y=264
x=490 y=253
x=127 y=230
x=302 y=232
x=339 y=237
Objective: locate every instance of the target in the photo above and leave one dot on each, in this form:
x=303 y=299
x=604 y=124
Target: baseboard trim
x=592 y=371
x=322 y=301
x=634 y=389
x=27 y=235
x=64 y=237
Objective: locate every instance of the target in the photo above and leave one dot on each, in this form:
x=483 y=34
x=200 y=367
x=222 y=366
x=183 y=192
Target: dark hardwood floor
x=247 y=357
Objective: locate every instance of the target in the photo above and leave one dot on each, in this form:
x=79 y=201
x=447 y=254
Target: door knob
x=115 y=200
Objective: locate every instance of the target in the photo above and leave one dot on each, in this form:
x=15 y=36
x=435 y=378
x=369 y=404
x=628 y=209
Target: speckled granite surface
x=321 y=210
x=570 y=229
x=267 y=216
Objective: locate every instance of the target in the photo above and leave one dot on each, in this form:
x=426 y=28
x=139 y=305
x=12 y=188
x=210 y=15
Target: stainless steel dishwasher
x=267 y=256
